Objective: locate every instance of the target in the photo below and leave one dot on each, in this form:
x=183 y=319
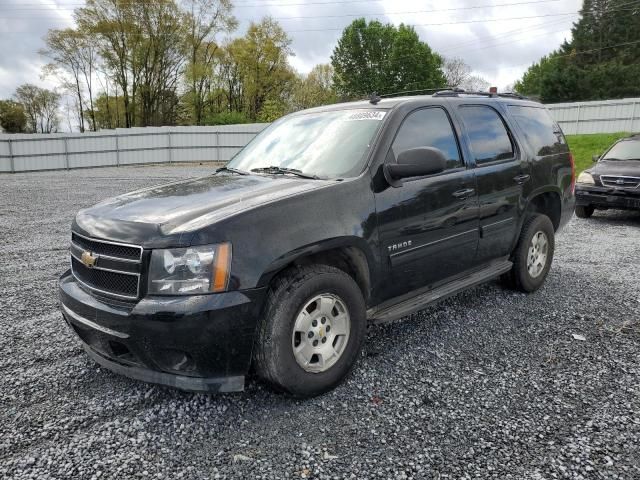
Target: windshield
x=325 y=144
x=625 y=150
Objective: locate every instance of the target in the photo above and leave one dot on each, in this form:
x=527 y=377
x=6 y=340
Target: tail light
x=573 y=173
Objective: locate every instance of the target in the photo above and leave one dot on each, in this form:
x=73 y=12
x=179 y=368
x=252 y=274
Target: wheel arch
x=547 y=202
x=349 y=254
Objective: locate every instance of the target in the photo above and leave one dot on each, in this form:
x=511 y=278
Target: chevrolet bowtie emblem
x=88 y=259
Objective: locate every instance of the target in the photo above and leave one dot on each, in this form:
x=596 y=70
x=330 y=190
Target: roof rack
x=456 y=92
x=409 y=92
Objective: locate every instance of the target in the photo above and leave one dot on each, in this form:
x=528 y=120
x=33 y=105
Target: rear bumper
x=602 y=197
x=199 y=343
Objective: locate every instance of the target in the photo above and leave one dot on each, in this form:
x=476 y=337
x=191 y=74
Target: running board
x=418 y=302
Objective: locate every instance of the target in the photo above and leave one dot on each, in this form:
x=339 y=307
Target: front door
x=428 y=226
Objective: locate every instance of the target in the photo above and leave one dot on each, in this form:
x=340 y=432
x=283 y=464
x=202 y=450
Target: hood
x=628 y=168
x=168 y=214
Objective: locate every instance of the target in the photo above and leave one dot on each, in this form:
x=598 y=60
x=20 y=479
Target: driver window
x=429 y=127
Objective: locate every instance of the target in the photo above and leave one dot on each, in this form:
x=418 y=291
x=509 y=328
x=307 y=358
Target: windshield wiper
x=233 y=170
x=282 y=170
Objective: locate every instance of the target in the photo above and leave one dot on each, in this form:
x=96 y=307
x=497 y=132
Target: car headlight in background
x=190 y=271
x=586 y=178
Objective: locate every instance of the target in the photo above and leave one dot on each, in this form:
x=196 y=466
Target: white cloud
x=500 y=51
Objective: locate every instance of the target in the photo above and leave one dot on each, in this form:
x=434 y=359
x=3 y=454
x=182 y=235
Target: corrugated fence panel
x=227 y=153
x=5 y=160
x=92 y=150
x=38 y=153
x=220 y=143
x=123 y=147
x=609 y=116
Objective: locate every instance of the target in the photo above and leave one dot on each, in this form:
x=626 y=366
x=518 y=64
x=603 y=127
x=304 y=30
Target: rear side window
x=542 y=132
x=429 y=127
x=489 y=140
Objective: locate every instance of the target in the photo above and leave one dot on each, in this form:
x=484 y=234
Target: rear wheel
x=312 y=330
x=533 y=254
x=584 y=211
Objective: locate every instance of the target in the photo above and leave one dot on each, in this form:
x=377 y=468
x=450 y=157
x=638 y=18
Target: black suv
x=329 y=219
x=613 y=182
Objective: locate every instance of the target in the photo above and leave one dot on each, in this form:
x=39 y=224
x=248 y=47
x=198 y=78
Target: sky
x=498 y=39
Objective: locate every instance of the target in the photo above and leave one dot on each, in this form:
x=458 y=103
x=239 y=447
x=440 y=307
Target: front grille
x=110 y=249
x=620 y=181
x=106 y=282
x=116 y=268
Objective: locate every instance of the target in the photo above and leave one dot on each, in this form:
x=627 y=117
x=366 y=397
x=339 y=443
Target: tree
x=73 y=55
x=109 y=111
x=459 y=74
x=229 y=91
x=314 y=89
x=141 y=45
x=456 y=71
x=40 y=107
x=112 y=23
x=12 y=117
x=204 y=20
x=262 y=56
x=475 y=83
x=600 y=62
x=372 y=57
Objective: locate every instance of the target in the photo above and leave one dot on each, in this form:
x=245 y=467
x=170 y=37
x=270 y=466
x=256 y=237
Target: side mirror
x=416 y=162
x=595 y=158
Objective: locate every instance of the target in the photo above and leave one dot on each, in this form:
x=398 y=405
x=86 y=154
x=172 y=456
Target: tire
x=285 y=328
x=527 y=275
x=584 y=211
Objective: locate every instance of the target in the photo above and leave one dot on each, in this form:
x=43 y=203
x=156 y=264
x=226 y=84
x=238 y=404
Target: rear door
x=428 y=227
x=502 y=174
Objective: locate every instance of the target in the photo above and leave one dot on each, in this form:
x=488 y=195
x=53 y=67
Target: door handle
x=466 y=193
x=520 y=179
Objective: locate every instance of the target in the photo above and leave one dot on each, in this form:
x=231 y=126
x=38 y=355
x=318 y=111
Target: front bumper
x=605 y=197
x=198 y=343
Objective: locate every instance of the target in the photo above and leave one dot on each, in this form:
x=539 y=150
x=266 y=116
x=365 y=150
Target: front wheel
x=533 y=254
x=584 y=211
x=313 y=327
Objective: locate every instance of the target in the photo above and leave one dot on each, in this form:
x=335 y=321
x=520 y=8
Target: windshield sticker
x=366 y=115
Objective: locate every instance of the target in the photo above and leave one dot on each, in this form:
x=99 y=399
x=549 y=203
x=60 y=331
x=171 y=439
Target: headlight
x=586 y=178
x=190 y=271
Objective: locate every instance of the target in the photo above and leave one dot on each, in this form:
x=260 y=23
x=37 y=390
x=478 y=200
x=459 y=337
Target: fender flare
x=355 y=247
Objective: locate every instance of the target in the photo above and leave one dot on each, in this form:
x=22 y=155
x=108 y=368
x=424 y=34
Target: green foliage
x=40 y=107
x=584 y=147
x=141 y=45
x=263 y=65
x=271 y=110
x=12 y=117
x=109 y=112
x=226 y=118
x=73 y=61
x=600 y=62
x=314 y=89
x=204 y=20
x=372 y=57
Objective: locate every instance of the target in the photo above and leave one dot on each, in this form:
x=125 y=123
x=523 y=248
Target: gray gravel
x=489 y=384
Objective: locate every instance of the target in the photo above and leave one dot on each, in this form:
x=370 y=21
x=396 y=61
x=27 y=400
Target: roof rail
x=409 y=92
x=456 y=92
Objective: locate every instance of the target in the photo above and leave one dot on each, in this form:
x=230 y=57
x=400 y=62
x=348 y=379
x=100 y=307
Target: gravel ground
x=489 y=384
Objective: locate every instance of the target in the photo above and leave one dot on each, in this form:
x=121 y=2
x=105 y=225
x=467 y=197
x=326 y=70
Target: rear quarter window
x=542 y=132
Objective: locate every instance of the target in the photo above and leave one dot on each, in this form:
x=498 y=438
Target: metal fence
x=607 y=116
x=130 y=146
x=123 y=146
